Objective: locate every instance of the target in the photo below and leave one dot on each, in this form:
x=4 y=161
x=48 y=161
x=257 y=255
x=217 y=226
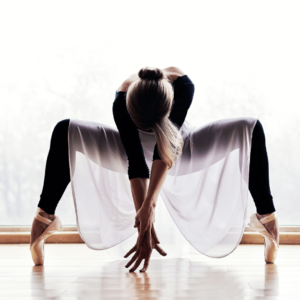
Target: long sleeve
x=183 y=96
x=137 y=166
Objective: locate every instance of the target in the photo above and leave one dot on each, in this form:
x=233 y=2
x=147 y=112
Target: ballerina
x=149 y=110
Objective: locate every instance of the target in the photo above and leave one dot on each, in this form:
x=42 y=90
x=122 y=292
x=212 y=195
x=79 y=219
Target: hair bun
x=148 y=73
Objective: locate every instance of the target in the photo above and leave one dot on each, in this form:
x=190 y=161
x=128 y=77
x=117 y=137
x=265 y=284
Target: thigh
x=99 y=142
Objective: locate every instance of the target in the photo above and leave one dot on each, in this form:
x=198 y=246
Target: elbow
x=175 y=70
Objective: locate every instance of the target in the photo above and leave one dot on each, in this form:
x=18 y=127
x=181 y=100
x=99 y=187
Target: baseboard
x=285 y=238
x=63 y=237
x=73 y=237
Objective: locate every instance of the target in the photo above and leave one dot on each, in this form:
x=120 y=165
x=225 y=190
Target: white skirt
x=204 y=196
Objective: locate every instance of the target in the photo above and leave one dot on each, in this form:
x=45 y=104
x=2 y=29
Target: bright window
x=65 y=59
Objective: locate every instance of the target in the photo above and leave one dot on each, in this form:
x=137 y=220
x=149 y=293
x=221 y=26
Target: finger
x=130 y=251
x=154 y=235
x=160 y=250
x=149 y=239
x=137 y=263
x=134 y=257
x=146 y=263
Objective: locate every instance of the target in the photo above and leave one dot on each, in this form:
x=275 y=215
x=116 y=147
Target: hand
x=144 y=219
x=144 y=252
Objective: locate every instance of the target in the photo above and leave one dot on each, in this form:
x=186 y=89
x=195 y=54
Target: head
x=149 y=101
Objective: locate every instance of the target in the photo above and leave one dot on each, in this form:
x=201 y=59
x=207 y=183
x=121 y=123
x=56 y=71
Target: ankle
x=42 y=213
x=262 y=216
x=271 y=226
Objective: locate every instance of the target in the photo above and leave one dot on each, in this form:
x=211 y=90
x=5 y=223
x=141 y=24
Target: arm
x=138 y=174
x=139 y=185
x=183 y=96
x=145 y=216
x=145 y=194
x=138 y=171
x=139 y=188
x=158 y=174
x=129 y=135
x=143 y=247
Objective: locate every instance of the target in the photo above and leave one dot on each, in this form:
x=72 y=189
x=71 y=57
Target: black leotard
x=137 y=166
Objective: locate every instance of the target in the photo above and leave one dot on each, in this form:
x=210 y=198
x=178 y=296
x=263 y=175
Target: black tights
x=57 y=175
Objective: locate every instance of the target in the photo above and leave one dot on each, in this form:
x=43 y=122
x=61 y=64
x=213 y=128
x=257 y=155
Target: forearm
x=158 y=174
x=139 y=188
x=145 y=192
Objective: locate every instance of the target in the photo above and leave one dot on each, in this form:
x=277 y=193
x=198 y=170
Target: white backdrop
x=65 y=59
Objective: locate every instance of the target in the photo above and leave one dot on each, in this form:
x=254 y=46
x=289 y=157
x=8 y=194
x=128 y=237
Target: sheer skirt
x=203 y=199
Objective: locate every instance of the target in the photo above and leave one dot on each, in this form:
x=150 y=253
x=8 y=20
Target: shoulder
x=120 y=101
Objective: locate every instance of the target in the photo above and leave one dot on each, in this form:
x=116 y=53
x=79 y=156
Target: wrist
x=149 y=203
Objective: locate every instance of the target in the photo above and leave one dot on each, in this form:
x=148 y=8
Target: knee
x=258 y=132
x=61 y=129
x=258 y=127
x=61 y=125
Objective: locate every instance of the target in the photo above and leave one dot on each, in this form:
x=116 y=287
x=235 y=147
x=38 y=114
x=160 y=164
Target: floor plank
x=73 y=271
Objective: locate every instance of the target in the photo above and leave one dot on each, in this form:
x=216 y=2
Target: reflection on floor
x=72 y=271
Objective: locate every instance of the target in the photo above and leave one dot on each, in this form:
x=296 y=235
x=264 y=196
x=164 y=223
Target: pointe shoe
x=271 y=245
x=37 y=247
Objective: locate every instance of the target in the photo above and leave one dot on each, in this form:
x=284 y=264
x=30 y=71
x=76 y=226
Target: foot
x=39 y=227
x=272 y=227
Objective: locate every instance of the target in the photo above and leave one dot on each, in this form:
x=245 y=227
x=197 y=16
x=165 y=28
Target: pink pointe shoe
x=271 y=245
x=39 y=223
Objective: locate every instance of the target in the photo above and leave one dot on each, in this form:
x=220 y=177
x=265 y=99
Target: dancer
x=153 y=102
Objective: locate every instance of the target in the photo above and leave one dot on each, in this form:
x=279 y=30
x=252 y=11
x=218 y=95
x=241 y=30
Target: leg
x=259 y=179
x=57 y=174
x=57 y=178
x=259 y=173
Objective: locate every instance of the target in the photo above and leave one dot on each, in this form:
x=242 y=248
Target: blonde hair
x=149 y=101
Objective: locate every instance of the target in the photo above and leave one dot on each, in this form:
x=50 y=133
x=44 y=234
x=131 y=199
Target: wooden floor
x=72 y=271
